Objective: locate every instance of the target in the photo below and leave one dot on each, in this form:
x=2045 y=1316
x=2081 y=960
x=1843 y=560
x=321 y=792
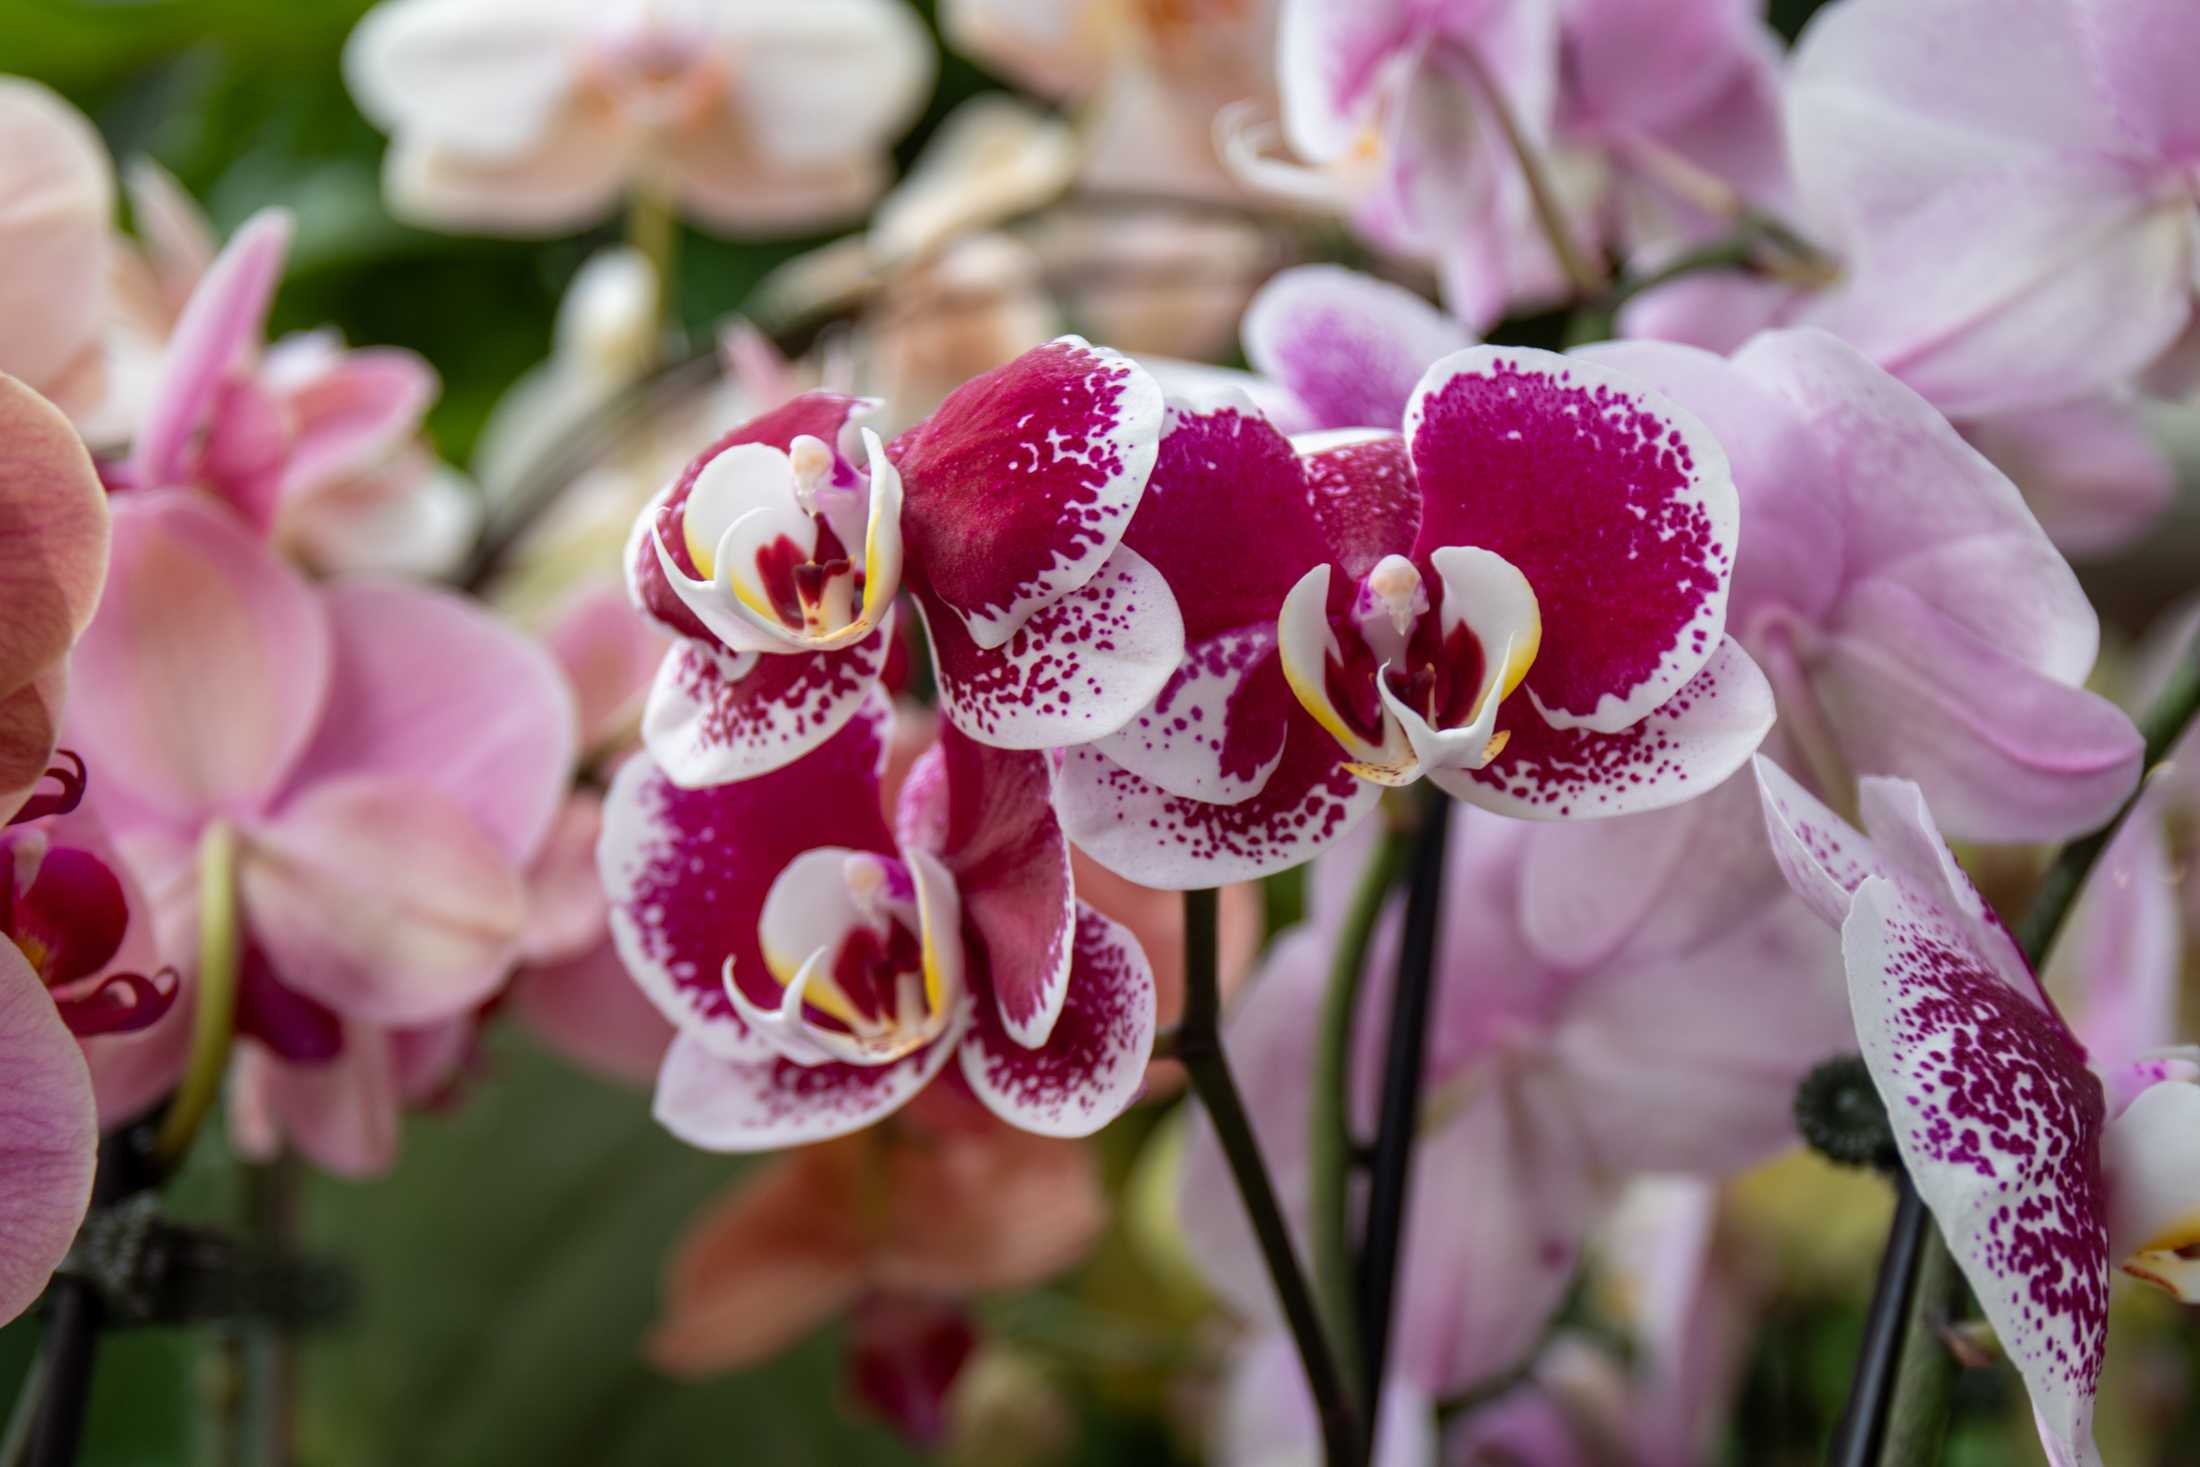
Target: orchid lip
x=72 y=780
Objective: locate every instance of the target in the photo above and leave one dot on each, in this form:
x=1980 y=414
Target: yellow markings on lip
x=704 y=556
x=1316 y=703
x=821 y=992
x=1520 y=656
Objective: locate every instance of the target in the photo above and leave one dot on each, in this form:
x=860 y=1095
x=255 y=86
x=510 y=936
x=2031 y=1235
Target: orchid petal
x=1020 y=487
x=204 y=675
x=569 y=179
x=608 y=655
x=588 y=1010
x=1267 y=1417
x=830 y=78
x=1203 y=736
x=1077 y=669
x=716 y=716
x=688 y=870
x=1349 y=346
x=357 y=408
x=1093 y=1061
x=342 y=1115
x=484 y=80
x=2150 y=1157
x=1364 y=495
x=49 y=1135
x=1615 y=503
x=56 y=212
x=720 y=1103
x=2090 y=470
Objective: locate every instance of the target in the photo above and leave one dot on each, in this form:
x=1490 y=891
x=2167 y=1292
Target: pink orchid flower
x=1521 y=596
x=2044 y=1163
x=312 y=443
x=823 y=970
x=513 y=116
x=49 y=1135
x=389 y=760
x=57 y=203
x=2022 y=233
x=776 y=562
x=1602 y=1011
x=943 y=1205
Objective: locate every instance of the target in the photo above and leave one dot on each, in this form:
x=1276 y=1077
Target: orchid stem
x=1330 y=1147
x=270 y=1378
x=1862 y=1428
x=1584 y=274
x=653 y=230
x=1199 y=1048
x=221 y=955
x=1398 y=1125
x=1915 y=1415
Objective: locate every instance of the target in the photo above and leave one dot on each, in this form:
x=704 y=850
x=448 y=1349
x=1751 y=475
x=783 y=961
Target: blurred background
x=507 y=1272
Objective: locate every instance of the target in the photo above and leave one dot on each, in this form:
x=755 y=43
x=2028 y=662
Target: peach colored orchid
x=942 y=1204
x=535 y=116
x=57 y=198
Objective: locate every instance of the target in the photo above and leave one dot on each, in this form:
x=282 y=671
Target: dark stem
x=270 y=1355
x=1199 y=1048
x=1398 y=1121
x=1857 y=1438
x=73 y=1317
x=1924 y=1389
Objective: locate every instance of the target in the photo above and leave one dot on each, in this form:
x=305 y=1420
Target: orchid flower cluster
x=1586 y=684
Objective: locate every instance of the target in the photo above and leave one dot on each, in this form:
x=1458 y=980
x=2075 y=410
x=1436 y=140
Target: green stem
x=271 y=1373
x=1330 y=1146
x=653 y=230
x=1199 y=1048
x=1924 y=1385
x=221 y=954
x=1582 y=272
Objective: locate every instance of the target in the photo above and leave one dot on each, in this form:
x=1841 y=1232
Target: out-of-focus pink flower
x=776 y=562
x=938 y=1206
x=1398 y=592
x=313 y=444
x=53 y=558
x=823 y=970
x=2017 y=231
x=2045 y=1164
x=512 y=116
x=57 y=203
x=49 y=1135
x=389 y=758
x=1605 y=1007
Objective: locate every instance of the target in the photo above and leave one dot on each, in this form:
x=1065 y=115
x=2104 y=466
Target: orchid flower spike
x=2044 y=1164
x=776 y=562
x=822 y=970
x=1522 y=596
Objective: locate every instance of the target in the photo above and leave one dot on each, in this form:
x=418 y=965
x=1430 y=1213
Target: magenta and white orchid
x=1521 y=596
x=776 y=561
x=2045 y=1164
x=822 y=969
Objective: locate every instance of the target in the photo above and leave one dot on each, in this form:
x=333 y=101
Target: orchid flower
x=66 y=911
x=777 y=563
x=53 y=558
x=511 y=116
x=388 y=758
x=943 y=1205
x=822 y=970
x=2044 y=1163
x=1521 y=596
x=2021 y=232
x=1601 y=1010
x=49 y=1135
x=310 y=442
x=57 y=202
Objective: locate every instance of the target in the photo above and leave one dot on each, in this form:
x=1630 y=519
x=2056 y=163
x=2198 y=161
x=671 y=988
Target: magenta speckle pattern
x=748 y=714
x=1366 y=499
x=1216 y=714
x=1603 y=501
x=1055 y=668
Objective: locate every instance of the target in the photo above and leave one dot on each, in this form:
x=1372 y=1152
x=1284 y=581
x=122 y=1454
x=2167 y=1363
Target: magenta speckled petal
x=1364 y=495
x=1685 y=747
x=1077 y=669
x=1021 y=485
x=1212 y=733
x=768 y=1102
x=714 y=716
x=1615 y=503
x=1999 y=1122
x=688 y=870
x=1094 y=1059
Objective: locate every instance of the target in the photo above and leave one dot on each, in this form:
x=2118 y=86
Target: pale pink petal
x=2090 y=470
x=608 y=654
x=767 y=1103
x=428 y=686
x=205 y=673
x=363 y=405
x=49 y=1135
x=382 y=898
x=2145 y=55
x=827 y=79
x=2150 y=1159
x=1143 y=833
x=566 y=906
x=57 y=200
x=572 y=179
x=485 y=80
x=998 y=836
x=1267 y=1415
x=1615 y=503
x=2119 y=955
x=1094 y=1058
x=1077 y=669
x=1075 y=430
x=1687 y=746
x=222 y=322
x=1331 y=53
x=1349 y=346
x=407 y=516
x=687 y=870
x=714 y=716
x=2007 y=1153
x=173 y=233
x=587 y=1009
x=341 y=1116
x=431 y=1062
x=1633 y=67
x=722 y=179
